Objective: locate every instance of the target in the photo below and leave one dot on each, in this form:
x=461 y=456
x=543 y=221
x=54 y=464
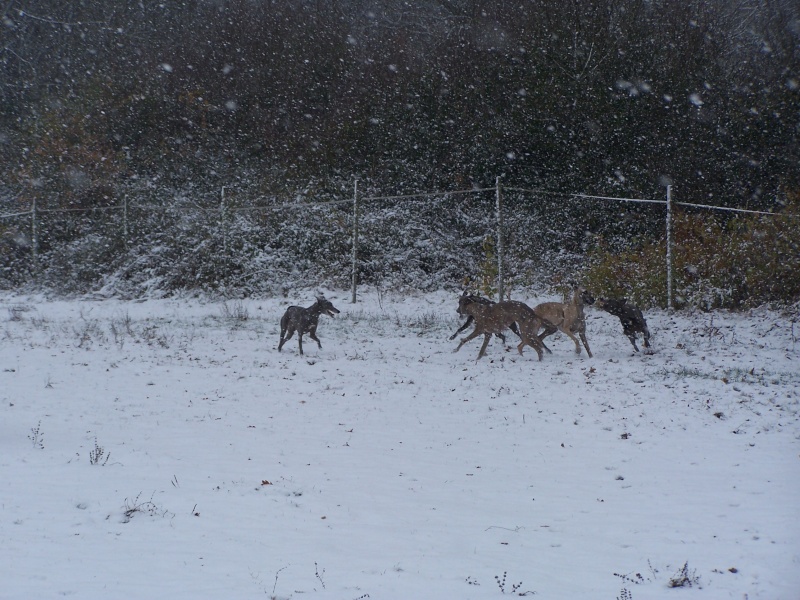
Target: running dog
x=630 y=316
x=305 y=320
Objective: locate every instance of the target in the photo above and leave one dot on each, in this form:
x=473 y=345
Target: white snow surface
x=166 y=449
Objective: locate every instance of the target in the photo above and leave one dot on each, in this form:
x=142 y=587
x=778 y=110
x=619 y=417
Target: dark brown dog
x=630 y=316
x=470 y=318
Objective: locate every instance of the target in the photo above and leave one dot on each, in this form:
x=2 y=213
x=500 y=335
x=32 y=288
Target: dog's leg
x=486 y=338
x=538 y=324
x=471 y=336
x=313 y=335
x=534 y=342
x=585 y=344
x=285 y=337
x=549 y=329
x=571 y=336
x=527 y=328
x=300 y=341
x=466 y=324
x=629 y=329
x=632 y=337
x=538 y=346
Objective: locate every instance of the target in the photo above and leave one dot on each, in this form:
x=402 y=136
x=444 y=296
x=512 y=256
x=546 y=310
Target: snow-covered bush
x=718 y=262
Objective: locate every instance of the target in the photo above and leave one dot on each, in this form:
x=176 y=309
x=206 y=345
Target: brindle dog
x=305 y=320
x=495 y=318
x=470 y=318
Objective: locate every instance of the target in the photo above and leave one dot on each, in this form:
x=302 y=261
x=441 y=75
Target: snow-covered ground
x=165 y=449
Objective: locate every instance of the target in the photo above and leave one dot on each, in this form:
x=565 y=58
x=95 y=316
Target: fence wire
x=490 y=236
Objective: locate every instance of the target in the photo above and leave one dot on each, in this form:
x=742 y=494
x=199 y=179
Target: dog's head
x=587 y=297
x=327 y=307
x=611 y=305
x=466 y=299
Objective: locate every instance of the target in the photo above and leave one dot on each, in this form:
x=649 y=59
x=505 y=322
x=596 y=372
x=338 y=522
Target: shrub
x=718 y=262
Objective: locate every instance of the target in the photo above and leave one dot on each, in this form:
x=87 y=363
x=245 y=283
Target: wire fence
x=226 y=211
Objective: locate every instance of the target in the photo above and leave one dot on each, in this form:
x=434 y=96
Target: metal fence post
x=355 y=241
x=669 y=247
x=34 y=235
x=223 y=223
x=500 y=249
x=125 y=220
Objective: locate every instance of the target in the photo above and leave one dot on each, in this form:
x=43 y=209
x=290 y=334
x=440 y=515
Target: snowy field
x=165 y=449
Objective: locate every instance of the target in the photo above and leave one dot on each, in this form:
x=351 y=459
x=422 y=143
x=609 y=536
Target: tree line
x=295 y=98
